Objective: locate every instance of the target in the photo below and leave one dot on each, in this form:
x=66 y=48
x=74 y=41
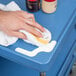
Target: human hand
x=13 y=21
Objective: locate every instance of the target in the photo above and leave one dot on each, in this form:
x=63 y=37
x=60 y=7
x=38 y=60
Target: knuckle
x=32 y=15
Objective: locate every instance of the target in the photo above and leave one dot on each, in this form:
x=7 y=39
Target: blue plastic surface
x=69 y=61
x=61 y=24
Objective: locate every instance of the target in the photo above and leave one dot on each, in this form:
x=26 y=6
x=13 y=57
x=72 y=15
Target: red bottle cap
x=50 y=0
x=32 y=0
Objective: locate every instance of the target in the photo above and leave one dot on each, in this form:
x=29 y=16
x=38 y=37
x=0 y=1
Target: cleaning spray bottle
x=49 y=6
x=33 y=5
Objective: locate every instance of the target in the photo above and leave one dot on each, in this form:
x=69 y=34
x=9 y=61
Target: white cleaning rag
x=8 y=40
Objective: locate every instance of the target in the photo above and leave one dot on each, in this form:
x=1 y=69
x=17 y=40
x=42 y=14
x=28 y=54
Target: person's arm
x=12 y=22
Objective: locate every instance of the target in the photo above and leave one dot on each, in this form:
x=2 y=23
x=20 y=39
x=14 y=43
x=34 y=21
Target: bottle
x=49 y=6
x=33 y=5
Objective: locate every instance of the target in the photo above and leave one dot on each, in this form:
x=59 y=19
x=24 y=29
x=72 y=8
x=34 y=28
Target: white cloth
x=6 y=40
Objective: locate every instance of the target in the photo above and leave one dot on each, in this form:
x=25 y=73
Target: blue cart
x=59 y=62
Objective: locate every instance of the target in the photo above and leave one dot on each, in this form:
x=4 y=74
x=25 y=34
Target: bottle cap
x=32 y=0
x=50 y=0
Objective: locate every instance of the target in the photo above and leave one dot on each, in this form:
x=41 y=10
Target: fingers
x=38 y=26
x=26 y=17
x=32 y=30
x=30 y=19
x=17 y=34
x=30 y=22
x=35 y=24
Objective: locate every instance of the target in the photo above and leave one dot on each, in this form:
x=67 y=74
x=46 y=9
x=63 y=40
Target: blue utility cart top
x=58 y=23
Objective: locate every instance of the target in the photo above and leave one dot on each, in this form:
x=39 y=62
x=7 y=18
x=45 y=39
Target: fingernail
x=43 y=29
